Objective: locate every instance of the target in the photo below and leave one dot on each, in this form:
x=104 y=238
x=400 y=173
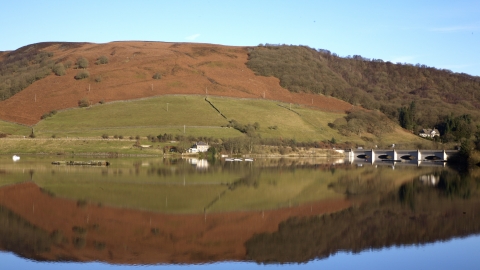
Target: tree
x=82 y=62
x=59 y=69
x=83 y=103
x=102 y=60
x=82 y=75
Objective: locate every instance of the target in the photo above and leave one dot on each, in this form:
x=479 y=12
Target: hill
x=438 y=96
x=39 y=80
x=195 y=69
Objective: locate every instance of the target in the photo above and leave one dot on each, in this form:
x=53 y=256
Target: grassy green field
x=191 y=116
x=79 y=130
x=14 y=129
x=299 y=123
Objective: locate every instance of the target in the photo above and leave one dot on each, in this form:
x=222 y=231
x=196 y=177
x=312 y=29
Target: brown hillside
x=193 y=69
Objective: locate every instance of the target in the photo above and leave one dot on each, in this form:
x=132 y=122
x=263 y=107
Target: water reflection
x=146 y=211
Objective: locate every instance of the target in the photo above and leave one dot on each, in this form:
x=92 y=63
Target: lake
x=267 y=213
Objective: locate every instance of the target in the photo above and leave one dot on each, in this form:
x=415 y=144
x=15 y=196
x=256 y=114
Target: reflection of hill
x=86 y=232
x=20 y=236
x=417 y=214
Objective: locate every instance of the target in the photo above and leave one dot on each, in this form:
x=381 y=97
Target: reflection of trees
x=20 y=236
x=456 y=185
x=415 y=214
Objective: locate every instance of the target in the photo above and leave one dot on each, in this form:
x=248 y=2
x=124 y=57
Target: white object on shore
x=15 y=158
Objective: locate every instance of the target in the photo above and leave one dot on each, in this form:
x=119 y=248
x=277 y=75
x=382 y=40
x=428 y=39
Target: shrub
x=102 y=60
x=120 y=137
x=115 y=136
x=81 y=203
x=82 y=75
x=50 y=114
x=79 y=242
x=68 y=64
x=3 y=135
x=105 y=136
x=157 y=76
x=101 y=101
x=83 y=103
x=59 y=69
x=98 y=79
x=82 y=62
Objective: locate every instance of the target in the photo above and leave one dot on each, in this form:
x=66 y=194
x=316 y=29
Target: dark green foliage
x=79 y=242
x=50 y=114
x=359 y=122
x=372 y=83
x=157 y=76
x=415 y=214
x=21 y=237
x=102 y=60
x=21 y=68
x=456 y=128
x=165 y=137
x=83 y=103
x=59 y=69
x=407 y=117
x=82 y=75
x=249 y=129
x=82 y=62
x=299 y=69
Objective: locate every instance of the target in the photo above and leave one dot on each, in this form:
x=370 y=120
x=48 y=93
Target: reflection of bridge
x=400 y=157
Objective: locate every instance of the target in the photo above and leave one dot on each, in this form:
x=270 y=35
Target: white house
x=199 y=147
x=429 y=133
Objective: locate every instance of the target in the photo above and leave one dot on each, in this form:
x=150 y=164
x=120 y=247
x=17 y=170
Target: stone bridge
x=406 y=157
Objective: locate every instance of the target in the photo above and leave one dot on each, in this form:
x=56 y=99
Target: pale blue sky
x=443 y=34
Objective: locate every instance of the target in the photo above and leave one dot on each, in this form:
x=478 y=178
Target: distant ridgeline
x=415 y=214
x=416 y=96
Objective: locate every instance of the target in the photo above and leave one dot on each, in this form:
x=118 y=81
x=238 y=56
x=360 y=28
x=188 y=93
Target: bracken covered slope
x=196 y=69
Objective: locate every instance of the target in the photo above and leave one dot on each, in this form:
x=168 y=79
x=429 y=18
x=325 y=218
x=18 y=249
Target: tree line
x=392 y=88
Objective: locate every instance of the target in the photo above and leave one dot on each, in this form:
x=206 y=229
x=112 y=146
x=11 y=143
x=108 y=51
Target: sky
x=440 y=34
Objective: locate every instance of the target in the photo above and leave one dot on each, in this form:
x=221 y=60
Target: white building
x=199 y=147
x=429 y=133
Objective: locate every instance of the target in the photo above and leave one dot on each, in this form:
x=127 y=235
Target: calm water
x=270 y=213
